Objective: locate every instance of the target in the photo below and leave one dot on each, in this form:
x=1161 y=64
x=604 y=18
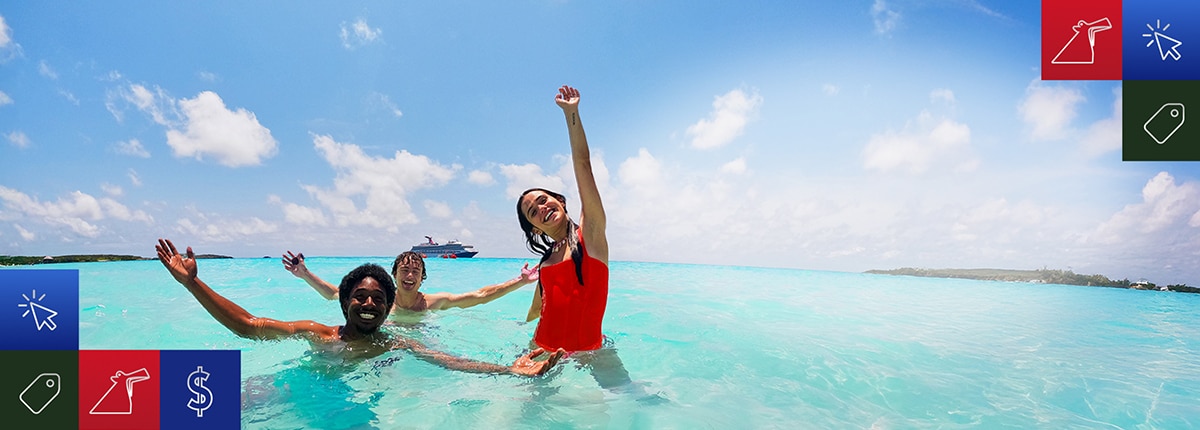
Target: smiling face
x=409 y=271
x=367 y=306
x=544 y=212
x=366 y=295
x=408 y=277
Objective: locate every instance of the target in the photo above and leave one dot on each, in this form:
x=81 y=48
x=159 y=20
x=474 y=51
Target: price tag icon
x=43 y=390
x=1164 y=123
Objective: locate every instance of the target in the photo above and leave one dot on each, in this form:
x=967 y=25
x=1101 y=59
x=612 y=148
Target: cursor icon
x=1157 y=37
x=42 y=316
x=1172 y=52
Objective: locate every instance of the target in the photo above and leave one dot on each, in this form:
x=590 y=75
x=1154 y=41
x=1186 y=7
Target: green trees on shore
x=1044 y=276
x=20 y=260
x=25 y=260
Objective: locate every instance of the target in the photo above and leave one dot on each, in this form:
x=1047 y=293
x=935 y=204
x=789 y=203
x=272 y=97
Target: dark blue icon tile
x=200 y=389
x=1161 y=40
x=39 y=309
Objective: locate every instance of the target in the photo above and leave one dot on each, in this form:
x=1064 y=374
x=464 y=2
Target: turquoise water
x=712 y=347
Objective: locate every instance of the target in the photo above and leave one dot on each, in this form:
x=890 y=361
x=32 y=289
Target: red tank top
x=572 y=313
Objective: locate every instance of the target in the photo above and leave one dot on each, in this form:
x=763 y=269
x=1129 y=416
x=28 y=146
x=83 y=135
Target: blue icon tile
x=39 y=309
x=1161 y=40
x=200 y=389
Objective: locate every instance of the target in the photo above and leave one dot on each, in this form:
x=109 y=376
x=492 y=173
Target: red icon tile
x=118 y=389
x=1081 y=39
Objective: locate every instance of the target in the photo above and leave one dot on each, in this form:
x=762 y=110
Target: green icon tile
x=1160 y=121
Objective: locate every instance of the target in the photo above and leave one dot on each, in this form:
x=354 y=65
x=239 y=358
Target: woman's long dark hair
x=542 y=243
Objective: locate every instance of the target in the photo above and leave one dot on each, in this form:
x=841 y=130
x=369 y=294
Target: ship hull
x=437 y=251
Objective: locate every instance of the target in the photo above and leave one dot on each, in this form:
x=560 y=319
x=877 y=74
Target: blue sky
x=818 y=135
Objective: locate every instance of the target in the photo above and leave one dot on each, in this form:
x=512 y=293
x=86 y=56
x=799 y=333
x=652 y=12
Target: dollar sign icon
x=203 y=399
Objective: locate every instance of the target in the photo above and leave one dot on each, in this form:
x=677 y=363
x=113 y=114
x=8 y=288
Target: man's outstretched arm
x=295 y=263
x=485 y=294
x=229 y=314
x=524 y=366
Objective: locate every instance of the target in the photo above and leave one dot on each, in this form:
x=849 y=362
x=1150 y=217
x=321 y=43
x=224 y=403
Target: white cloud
x=999 y=220
x=479 y=177
x=918 y=150
x=1104 y=136
x=438 y=209
x=157 y=103
x=1049 y=110
x=119 y=211
x=8 y=48
x=69 y=96
x=985 y=10
x=235 y=139
x=5 y=33
x=381 y=184
x=928 y=142
x=144 y=99
x=74 y=212
x=642 y=173
x=358 y=34
x=131 y=147
x=830 y=89
x=670 y=206
x=843 y=222
x=18 y=139
x=207 y=76
x=735 y=167
x=726 y=122
x=1159 y=235
x=849 y=221
x=300 y=215
x=112 y=190
x=81 y=227
x=1165 y=208
x=885 y=18
x=384 y=102
x=25 y=234
x=225 y=230
x=133 y=178
x=45 y=70
x=202 y=126
x=5 y=99
x=525 y=176
x=942 y=95
x=304 y=215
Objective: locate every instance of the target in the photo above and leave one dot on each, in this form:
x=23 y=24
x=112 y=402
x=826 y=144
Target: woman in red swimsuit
x=573 y=280
x=573 y=283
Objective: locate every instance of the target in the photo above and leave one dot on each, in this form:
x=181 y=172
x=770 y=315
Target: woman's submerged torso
x=572 y=312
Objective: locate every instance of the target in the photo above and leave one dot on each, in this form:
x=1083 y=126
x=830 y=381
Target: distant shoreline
x=1041 y=276
x=25 y=260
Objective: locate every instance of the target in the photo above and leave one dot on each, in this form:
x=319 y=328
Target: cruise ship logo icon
x=1082 y=50
x=113 y=402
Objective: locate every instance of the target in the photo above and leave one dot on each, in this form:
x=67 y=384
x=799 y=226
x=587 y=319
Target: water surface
x=707 y=347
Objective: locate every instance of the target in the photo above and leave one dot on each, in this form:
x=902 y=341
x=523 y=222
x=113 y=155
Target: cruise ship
x=452 y=249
